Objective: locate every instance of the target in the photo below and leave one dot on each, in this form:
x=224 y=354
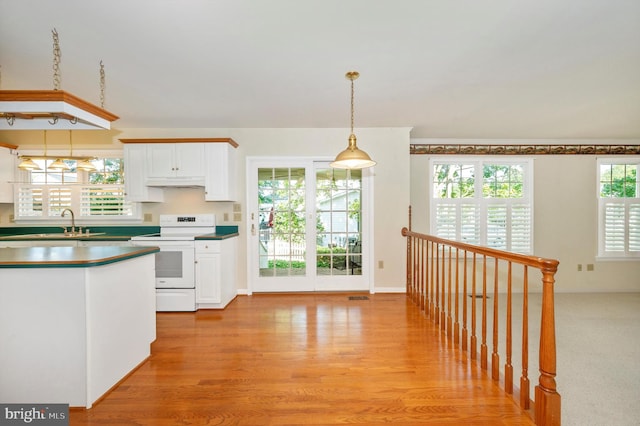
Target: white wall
x=388 y=146
x=565 y=218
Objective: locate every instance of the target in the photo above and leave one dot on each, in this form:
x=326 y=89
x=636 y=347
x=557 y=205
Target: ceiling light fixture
x=28 y=164
x=82 y=162
x=85 y=165
x=40 y=109
x=352 y=157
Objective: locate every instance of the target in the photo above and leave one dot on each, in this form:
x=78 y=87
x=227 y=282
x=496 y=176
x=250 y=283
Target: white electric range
x=175 y=263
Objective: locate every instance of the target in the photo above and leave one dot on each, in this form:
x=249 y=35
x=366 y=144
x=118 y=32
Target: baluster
x=508 y=368
x=465 y=332
x=495 y=357
x=474 y=338
x=432 y=281
x=456 y=325
x=547 y=397
x=443 y=323
x=449 y=325
x=411 y=273
x=425 y=276
x=436 y=318
x=483 y=345
x=416 y=279
x=524 y=379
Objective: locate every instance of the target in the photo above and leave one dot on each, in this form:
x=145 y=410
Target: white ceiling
x=447 y=68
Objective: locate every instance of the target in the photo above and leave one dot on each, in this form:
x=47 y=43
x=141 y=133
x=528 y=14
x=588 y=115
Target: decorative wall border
x=419 y=149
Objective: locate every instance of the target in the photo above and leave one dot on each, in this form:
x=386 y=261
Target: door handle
x=253 y=229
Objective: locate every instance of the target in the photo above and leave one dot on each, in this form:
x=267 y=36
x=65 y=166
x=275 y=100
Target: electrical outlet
x=380 y=264
x=579 y=267
x=589 y=266
x=148 y=217
x=225 y=217
x=237 y=217
x=12 y=218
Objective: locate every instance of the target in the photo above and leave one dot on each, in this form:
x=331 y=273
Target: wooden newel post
x=547 y=403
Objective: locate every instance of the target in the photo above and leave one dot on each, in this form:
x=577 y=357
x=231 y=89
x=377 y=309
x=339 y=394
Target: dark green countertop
x=69 y=257
x=107 y=233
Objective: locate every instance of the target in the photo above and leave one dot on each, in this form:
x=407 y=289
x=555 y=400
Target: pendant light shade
x=352 y=157
x=86 y=165
x=58 y=165
x=28 y=164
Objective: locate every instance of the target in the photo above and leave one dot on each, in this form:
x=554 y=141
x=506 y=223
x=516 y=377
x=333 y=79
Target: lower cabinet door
x=207 y=277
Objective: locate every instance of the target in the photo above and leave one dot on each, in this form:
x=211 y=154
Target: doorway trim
x=253 y=162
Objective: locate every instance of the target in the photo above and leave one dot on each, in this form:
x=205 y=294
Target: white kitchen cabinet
x=215 y=273
x=7 y=171
x=154 y=163
x=135 y=175
x=175 y=164
x=221 y=166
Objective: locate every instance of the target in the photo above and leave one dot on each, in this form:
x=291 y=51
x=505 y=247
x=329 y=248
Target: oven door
x=175 y=263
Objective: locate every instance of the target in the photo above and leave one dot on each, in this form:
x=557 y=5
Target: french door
x=309 y=226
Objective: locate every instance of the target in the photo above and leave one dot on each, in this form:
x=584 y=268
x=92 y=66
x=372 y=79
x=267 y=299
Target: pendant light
x=28 y=164
x=85 y=165
x=352 y=157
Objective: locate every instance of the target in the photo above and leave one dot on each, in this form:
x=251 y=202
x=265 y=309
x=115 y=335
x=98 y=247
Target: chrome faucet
x=73 y=220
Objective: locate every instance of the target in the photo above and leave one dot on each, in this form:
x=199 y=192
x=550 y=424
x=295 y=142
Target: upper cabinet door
x=7 y=172
x=175 y=160
x=220 y=184
x=160 y=160
x=189 y=160
x=135 y=172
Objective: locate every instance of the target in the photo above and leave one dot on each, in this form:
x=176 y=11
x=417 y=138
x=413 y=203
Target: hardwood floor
x=296 y=359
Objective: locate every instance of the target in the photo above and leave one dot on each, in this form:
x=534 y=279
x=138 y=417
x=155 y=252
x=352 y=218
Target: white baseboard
x=389 y=290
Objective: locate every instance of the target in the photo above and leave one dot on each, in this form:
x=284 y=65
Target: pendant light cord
x=352 y=106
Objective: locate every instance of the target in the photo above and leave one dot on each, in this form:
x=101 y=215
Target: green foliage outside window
x=618 y=180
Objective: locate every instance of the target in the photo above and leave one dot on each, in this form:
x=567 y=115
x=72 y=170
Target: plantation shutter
x=446 y=223
x=29 y=201
x=103 y=200
x=614 y=226
x=497 y=226
x=634 y=227
x=89 y=201
x=521 y=228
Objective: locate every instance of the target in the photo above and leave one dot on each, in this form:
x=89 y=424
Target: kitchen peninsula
x=73 y=320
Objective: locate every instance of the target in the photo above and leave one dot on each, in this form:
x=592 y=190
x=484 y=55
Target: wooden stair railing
x=443 y=274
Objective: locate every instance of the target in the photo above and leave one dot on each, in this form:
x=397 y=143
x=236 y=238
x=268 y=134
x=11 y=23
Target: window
x=483 y=202
x=618 y=208
x=93 y=195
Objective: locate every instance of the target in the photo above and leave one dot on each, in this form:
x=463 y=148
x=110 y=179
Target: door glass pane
x=281 y=205
x=338 y=213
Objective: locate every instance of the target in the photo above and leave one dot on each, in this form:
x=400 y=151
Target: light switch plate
x=237 y=207
x=148 y=217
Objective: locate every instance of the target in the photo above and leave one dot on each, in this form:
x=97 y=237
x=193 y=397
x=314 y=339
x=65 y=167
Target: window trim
x=601 y=202
x=477 y=200
x=24 y=179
